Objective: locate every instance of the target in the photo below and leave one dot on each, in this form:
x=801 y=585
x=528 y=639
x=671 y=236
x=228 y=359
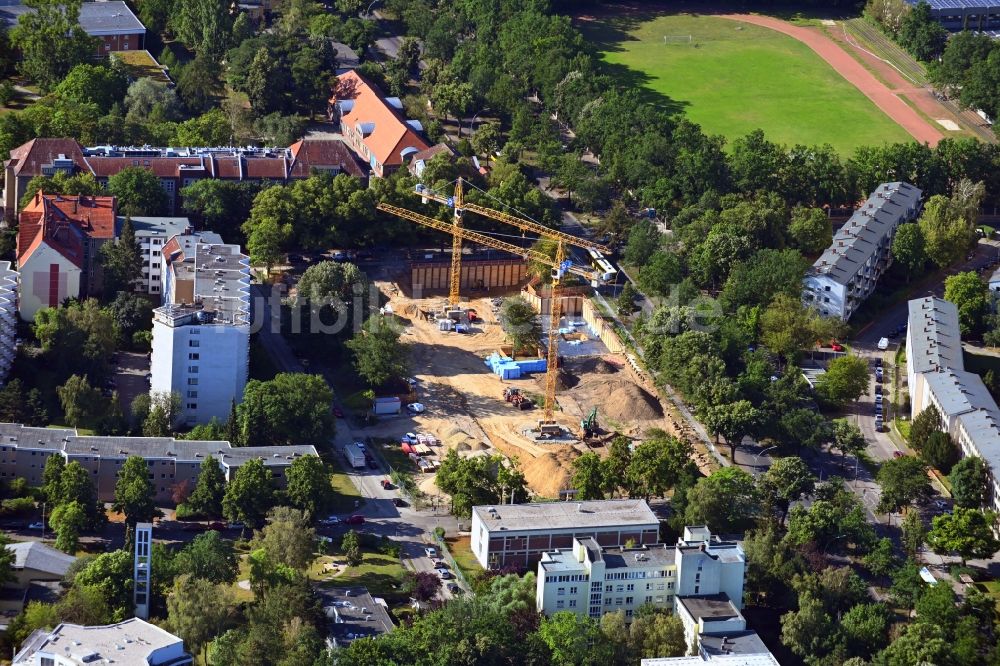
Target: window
x=620 y=588
x=630 y=600
x=560 y=603
x=192 y=394
x=618 y=601
x=697 y=589
x=194 y=343
x=192 y=381
x=195 y=331
x=649 y=599
x=826 y=288
x=194 y=356
x=697 y=578
x=628 y=613
x=572 y=590
x=630 y=587
x=192 y=405
x=572 y=603
x=193 y=369
x=561 y=591
x=609 y=588
x=47 y=661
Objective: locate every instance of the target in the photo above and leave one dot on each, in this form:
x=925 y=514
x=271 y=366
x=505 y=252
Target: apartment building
x=936 y=376
x=847 y=272
x=151 y=234
x=133 y=641
x=176 y=168
x=201 y=335
x=9 y=286
x=517 y=535
x=24 y=451
x=374 y=125
x=59 y=240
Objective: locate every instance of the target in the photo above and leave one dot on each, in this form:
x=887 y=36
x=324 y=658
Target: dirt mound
x=619 y=400
x=566 y=380
x=550 y=472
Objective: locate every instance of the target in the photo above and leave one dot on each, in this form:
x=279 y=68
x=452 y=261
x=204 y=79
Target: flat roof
x=733 y=643
x=857 y=241
x=709 y=607
x=352 y=613
x=567 y=515
x=935 y=336
x=128 y=642
x=112 y=17
x=766 y=659
x=160 y=227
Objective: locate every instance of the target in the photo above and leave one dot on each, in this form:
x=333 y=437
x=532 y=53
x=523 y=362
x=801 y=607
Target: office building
x=201 y=334
x=847 y=272
x=516 y=535
x=130 y=642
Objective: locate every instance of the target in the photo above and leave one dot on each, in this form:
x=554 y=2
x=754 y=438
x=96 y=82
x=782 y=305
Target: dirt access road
x=882 y=96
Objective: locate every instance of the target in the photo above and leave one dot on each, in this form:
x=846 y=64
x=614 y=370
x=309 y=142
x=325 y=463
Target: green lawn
x=345 y=492
x=733 y=78
x=461 y=549
x=381 y=574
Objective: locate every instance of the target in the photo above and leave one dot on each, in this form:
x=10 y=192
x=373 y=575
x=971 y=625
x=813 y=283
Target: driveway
x=130 y=377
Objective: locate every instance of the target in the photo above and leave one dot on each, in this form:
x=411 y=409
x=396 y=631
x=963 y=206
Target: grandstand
x=978 y=15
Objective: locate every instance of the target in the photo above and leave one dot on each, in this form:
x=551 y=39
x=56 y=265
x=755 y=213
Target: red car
x=836 y=346
x=356 y=519
x=897 y=454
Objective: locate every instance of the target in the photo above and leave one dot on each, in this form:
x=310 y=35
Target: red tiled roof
x=323 y=154
x=390 y=134
x=63 y=222
x=32 y=155
x=162 y=167
x=271 y=168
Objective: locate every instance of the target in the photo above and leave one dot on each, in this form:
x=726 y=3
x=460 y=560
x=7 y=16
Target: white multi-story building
x=516 y=535
x=8 y=318
x=201 y=335
x=700 y=578
x=133 y=641
x=847 y=272
x=151 y=234
x=936 y=376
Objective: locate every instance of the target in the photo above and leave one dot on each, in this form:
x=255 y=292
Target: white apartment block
x=151 y=234
x=133 y=641
x=700 y=578
x=517 y=535
x=201 y=335
x=8 y=318
x=847 y=272
x=936 y=376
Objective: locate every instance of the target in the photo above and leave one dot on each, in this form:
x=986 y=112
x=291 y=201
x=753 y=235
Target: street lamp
x=472 y=122
x=757 y=457
x=833 y=541
x=369 y=9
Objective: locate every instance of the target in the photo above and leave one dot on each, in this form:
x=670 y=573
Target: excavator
x=589 y=425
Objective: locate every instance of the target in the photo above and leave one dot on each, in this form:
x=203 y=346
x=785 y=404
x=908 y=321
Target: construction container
x=387 y=406
x=445 y=324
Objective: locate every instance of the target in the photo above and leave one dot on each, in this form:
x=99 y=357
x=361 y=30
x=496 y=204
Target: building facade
x=133 y=641
x=517 y=535
x=59 y=240
x=9 y=287
x=172 y=462
x=111 y=21
x=374 y=125
x=976 y=15
x=151 y=234
x=176 y=168
x=847 y=272
x=201 y=335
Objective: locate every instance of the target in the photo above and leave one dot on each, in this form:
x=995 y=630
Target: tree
x=121 y=263
x=967 y=533
x=308 y=485
x=134 y=493
x=110 y=574
x=331 y=284
x=920 y=34
x=847 y=437
x=661 y=274
x=644 y=240
x=378 y=354
x=727 y=500
x=76 y=484
x=763 y=276
x=94 y=84
x=588 y=477
x=615 y=465
x=422 y=585
x=734 y=421
x=452 y=99
x=969 y=480
x=291 y=408
x=265 y=240
x=351 y=547
x=625 y=304
x=139 y=192
x=520 y=323
x=880 y=560
x=210 y=557
x=908 y=249
x=655 y=633
x=80 y=401
x=287 y=538
x=865 y=628
x=920 y=643
x=486 y=140
x=148 y=99
x=132 y=313
x=52 y=479
x=972 y=297
x=845 y=380
x=809 y=631
x=574 y=640
x=164 y=410
x=914 y=533
x=249 y=495
x=206 y=499
x=68 y=520
x=786 y=326
x=924 y=425
x=903 y=481
x=787 y=480
x=262 y=79
x=657 y=465
x=198 y=611
x=810 y=229
x=940 y=452
x=948 y=226
x=51 y=41
x=198 y=83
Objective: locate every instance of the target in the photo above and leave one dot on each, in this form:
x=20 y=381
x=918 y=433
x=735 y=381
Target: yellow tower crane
x=559 y=265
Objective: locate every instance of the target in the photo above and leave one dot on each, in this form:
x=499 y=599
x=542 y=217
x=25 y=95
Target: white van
x=883 y=344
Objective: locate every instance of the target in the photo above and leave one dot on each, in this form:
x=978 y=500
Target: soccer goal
x=677 y=39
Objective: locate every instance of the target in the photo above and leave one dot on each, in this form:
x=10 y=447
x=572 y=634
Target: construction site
x=543 y=407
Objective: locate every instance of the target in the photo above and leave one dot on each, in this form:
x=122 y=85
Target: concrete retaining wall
x=434 y=275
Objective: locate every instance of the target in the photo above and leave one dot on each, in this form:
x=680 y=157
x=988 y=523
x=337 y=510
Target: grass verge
x=461 y=550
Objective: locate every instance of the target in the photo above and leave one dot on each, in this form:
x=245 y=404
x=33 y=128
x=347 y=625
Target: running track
x=853 y=71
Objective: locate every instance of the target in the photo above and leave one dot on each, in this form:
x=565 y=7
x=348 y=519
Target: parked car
x=444 y=573
x=330 y=520
x=37 y=525
x=416 y=408
x=235 y=526
x=430 y=551
x=440 y=564
x=410 y=438
x=878 y=388
x=837 y=347
x=878 y=361
x=355 y=519
x=897 y=454
x=454 y=588
x=386 y=484
x=398 y=501
x=360 y=444
x=883 y=344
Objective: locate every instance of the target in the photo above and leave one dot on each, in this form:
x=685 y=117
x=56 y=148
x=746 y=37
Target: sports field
x=732 y=78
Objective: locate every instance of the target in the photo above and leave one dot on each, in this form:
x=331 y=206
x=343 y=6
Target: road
x=411 y=528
